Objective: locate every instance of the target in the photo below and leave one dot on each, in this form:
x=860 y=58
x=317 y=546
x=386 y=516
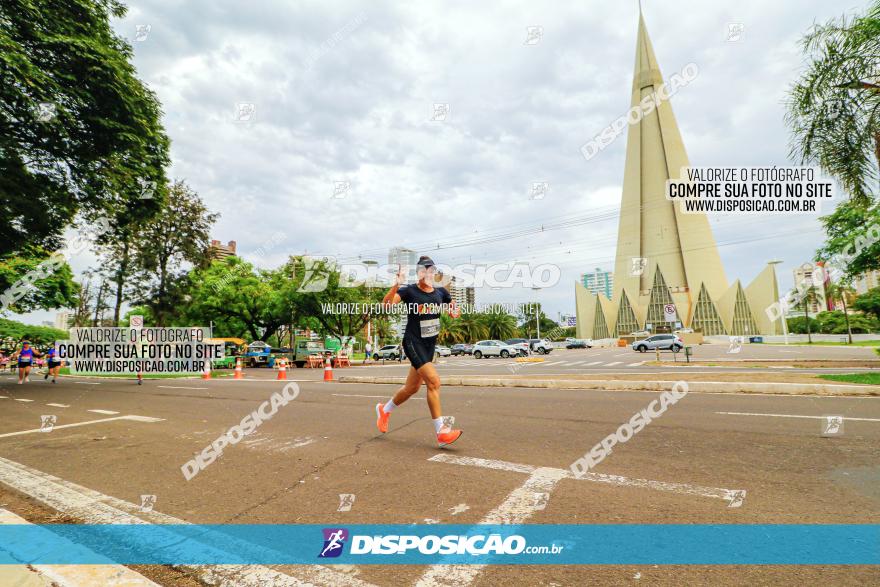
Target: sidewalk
x=27 y=575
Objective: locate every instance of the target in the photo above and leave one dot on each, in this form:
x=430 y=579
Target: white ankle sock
x=389 y=407
x=438 y=424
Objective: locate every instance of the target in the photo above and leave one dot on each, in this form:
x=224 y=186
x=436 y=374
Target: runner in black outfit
x=423 y=309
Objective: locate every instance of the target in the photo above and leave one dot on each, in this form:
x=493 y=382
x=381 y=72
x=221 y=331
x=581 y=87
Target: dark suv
x=462 y=349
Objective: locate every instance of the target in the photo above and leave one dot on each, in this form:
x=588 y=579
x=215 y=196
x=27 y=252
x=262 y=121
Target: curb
x=608 y=385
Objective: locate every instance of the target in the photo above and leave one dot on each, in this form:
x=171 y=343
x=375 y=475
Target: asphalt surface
x=625 y=360
x=323 y=444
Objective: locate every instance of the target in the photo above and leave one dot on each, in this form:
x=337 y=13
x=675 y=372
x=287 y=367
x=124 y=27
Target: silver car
x=494 y=348
x=659 y=341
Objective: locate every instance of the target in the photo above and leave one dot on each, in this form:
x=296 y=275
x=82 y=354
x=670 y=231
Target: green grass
x=860 y=378
x=822 y=343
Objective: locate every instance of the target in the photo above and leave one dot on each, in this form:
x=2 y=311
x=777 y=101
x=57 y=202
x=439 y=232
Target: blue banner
x=600 y=544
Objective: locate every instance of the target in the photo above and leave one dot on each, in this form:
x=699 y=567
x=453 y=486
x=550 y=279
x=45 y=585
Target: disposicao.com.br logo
x=450 y=544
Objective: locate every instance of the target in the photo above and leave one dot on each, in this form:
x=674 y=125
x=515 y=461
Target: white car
x=442 y=351
x=389 y=351
x=494 y=348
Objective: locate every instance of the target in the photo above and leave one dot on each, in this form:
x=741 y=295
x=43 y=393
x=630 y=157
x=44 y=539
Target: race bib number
x=24 y=359
x=430 y=328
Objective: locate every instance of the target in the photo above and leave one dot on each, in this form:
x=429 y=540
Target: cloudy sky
x=344 y=92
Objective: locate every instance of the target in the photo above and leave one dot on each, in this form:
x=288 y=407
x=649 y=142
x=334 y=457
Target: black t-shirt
x=423 y=311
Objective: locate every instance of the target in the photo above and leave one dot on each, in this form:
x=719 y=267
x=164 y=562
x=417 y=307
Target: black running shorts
x=419 y=352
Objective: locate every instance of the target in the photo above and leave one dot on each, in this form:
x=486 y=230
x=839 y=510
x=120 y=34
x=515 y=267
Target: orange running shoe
x=382 y=418
x=447 y=436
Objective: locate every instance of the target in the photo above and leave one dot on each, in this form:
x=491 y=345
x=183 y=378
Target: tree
x=853 y=238
x=118 y=246
x=236 y=297
x=317 y=285
x=472 y=327
x=869 y=302
x=801 y=325
x=14 y=332
x=832 y=109
x=809 y=294
x=75 y=122
x=837 y=322
x=177 y=235
x=841 y=290
x=499 y=324
x=35 y=280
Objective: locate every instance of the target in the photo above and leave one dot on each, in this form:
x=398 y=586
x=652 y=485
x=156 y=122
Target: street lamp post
x=537 y=311
x=784 y=321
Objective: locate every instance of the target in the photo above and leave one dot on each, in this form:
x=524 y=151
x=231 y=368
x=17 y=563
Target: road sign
x=669 y=312
x=136 y=321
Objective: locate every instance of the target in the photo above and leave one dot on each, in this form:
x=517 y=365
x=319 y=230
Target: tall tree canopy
x=76 y=125
x=834 y=108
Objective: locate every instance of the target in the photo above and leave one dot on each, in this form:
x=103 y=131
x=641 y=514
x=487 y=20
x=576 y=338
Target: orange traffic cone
x=238 y=373
x=206 y=373
x=282 y=369
x=328 y=370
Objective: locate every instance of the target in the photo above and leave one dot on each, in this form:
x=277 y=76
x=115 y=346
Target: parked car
x=462 y=349
x=542 y=346
x=522 y=344
x=494 y=348
x=659 y=341
x=442 y=351
x=577 y=343
x=389 y=351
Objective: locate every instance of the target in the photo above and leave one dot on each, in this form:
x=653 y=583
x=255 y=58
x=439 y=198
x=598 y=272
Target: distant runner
x=25 y=361
x=423 y=302
x=53 y=364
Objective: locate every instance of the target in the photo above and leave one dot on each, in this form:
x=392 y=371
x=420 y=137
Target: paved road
x=624 y=360
x=324 y=443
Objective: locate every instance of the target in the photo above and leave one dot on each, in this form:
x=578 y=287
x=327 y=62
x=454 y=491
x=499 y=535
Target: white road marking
x=73 y=575
x=173 y=387
x=555 y=363
x=375 y=396
x=108 y=412
x=520 y=504
x=639 y=364
x=75 y=424
x=683 y=488
x=273 y=445
x=21 y=399
x=59 y=405
x=86 y=383
x=612 y=364
x=623 y=354
x=96 y=508
x=593 y=363
x=796 y=416
x=533 y=495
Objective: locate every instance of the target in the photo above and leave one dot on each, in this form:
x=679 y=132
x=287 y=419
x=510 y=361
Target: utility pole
x=537 y=310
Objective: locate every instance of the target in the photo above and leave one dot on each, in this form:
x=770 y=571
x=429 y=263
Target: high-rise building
x=667 y=272
x=867 y=281
x=461 y=294
x=218 y=250
x=598 y=282
x=62 y=320
x=402 y=256
x=806 y=276
x=406 y=258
